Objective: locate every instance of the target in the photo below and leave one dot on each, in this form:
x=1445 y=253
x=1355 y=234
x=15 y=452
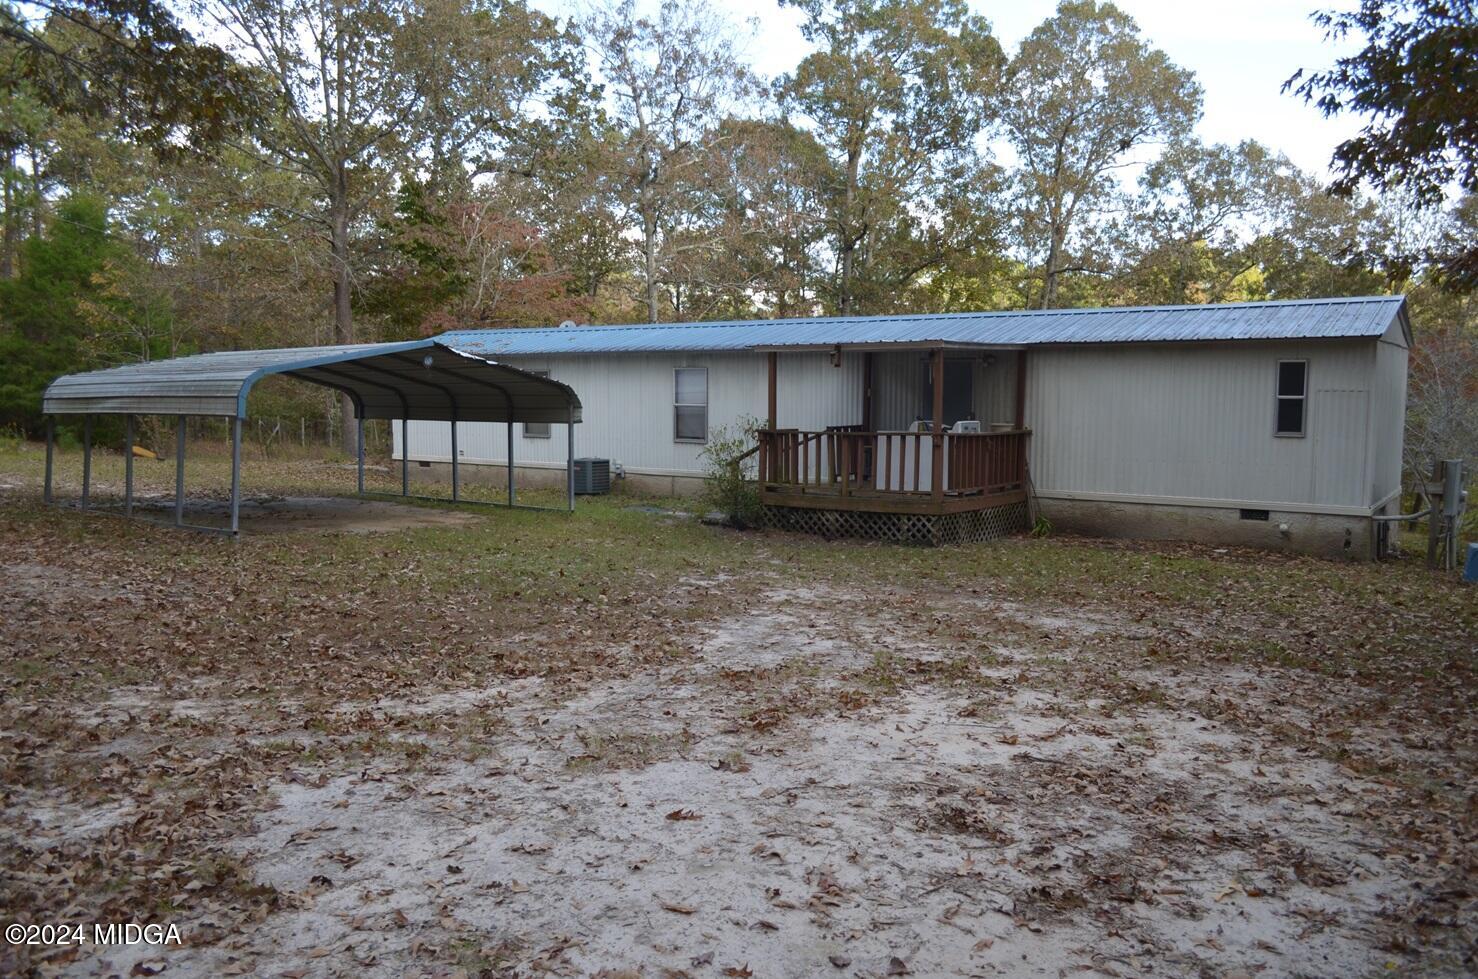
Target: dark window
x=536 y=430
x=1292 y=402
x=690 y=404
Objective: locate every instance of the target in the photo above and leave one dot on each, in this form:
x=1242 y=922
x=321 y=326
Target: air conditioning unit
x=592 y=476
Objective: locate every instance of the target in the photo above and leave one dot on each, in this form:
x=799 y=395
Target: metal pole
x=510 y=460
x=405 y=457
x=235 y=473
x=128 y=465
x=570 y=457
x=360 y=460
x=86 y=459
x=179 y=473
x=456 y=494
x=50 y=450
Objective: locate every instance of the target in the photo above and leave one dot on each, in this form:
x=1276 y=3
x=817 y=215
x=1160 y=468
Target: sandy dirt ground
x=491 y=744
x=819 y=790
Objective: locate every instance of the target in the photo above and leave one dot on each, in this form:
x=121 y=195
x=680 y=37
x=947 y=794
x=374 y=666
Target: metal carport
x=421 y=380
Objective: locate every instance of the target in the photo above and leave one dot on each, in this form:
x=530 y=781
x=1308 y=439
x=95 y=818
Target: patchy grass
x=1016 y=749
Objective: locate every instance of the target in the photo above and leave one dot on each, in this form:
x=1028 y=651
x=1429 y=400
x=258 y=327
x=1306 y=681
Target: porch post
x=1021 y=389
x=774 y=370
x=936 y=471
x=767 y=447
x=128 y=465
x=50 y=451
x=179 y=472
x=867 y=391
x=86 y=459
x=235 y=473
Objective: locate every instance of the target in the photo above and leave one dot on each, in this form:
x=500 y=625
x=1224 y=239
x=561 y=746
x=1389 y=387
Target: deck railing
x=846 y=461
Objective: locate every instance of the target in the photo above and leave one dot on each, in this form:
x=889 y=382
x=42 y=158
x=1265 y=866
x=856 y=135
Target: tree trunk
x=649 y=258
x=343 y=311
x=848 y=242
x=1049 y=274
x=7 y=245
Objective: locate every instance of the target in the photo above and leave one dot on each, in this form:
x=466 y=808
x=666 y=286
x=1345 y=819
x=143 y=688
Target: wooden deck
x=891 y=472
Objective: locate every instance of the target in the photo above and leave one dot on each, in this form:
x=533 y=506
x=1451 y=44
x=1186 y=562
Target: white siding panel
x=1196 y=422
x=627 y=404
x=1388 y=419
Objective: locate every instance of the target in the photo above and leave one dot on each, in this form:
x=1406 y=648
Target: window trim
x=676 y=404
x=1279 y=397
x=548 y=432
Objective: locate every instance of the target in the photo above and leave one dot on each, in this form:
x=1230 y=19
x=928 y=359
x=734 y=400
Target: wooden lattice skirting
x=933 y=529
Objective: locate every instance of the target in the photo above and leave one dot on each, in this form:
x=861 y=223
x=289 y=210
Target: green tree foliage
x=1416 y=82
x=1083 y=91
x=672 y=78
x=130 y=61
x=895 y=93
x=67 y=275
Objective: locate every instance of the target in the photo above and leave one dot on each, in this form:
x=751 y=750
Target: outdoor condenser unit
x=592 y=476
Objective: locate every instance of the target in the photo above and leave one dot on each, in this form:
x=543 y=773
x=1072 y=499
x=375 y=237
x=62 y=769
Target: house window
x=536 y=430
x=1293 y=392
x=690 y=404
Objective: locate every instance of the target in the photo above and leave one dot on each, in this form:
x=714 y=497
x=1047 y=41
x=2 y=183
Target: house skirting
x=931 y=529
x=544 y=475
x=1340 y=535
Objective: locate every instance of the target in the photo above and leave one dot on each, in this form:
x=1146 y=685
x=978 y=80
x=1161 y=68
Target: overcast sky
x=1241 y=52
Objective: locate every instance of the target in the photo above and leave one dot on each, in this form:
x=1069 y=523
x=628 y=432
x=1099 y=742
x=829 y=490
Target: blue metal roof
x=1362 y=316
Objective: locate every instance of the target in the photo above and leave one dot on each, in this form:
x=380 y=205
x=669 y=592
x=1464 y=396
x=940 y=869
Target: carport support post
x=128 y=465
x=50 y=450
x=86 y=459
x=405 y=457
x=235 y=473
x=359 y=454
x=179 y=473
x=510 y=461
x=570 y=457
x=456 y=493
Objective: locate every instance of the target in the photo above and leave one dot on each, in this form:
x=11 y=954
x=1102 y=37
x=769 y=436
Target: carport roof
x=419 y=379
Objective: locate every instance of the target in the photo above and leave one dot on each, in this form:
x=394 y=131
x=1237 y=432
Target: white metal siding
x=1196 y=422
x=1145 y=421
x=1388 y=420
x=627 y=404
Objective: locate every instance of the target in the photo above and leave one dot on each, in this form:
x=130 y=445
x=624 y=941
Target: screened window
x=536 y=430
x=1293 y=391
x=690 y=404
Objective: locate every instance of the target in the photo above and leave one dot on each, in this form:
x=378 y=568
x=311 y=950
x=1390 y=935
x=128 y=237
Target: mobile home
x=1274 y=423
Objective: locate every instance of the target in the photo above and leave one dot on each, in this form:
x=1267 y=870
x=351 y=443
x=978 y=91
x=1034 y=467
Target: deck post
x=769 y=448
x=405 y=457
x=235 y=473
x=774 y=370
x=570 y=455
x=359 y=454
x=936 y=472
x=510 y=458
x=456 y=493
x=50 y=452
x=179 y=473
x=86 y=459
x=128 y=465
x=1021 y=389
